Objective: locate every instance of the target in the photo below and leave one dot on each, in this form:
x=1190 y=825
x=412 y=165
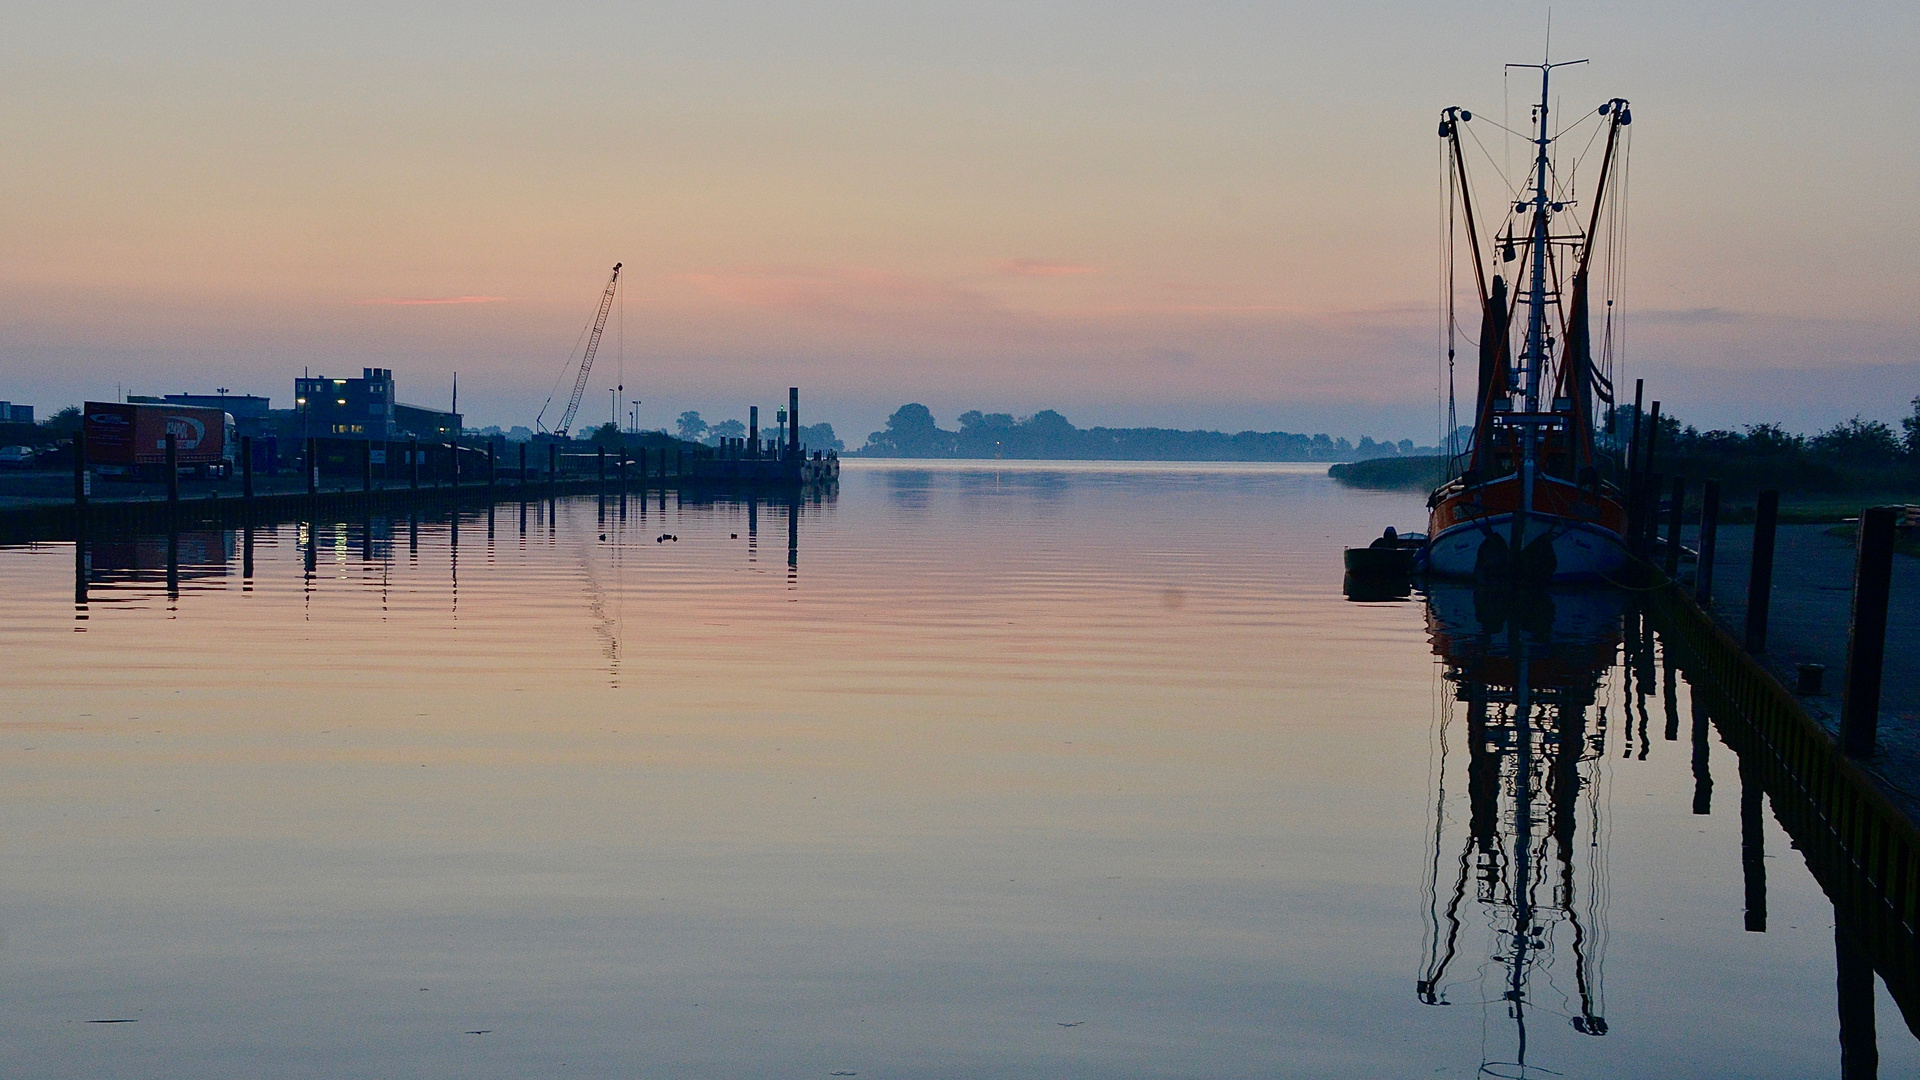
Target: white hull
x=1582 y=551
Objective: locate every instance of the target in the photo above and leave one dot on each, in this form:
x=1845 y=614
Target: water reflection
x=1524 y=837
x=1527 y=667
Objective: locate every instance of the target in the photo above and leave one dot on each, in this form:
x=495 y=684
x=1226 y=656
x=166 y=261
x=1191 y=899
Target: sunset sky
x=1191 y=214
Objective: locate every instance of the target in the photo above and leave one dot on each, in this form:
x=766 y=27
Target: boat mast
x=1533 y=357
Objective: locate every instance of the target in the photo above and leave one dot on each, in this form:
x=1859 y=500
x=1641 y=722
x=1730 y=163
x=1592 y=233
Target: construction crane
x=586 y=359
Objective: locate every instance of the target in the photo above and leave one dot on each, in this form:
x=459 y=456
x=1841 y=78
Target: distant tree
x=724 y=430
x=1864 y=442
x=1911 y=425
x=1773 y=440
x=911 y=432
x=819 y=437
x=690 y=426
x=64 y=424
x=607 y=434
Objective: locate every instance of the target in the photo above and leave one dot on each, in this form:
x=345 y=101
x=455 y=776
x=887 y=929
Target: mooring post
x=1633 y=441
x=1867 y=631
x=173 y=475
x=1760 y=575
x=366 y=466
x=246 y=476
x=1650 y=486
x=601 y=464
x=313 y=466
x=80 y=474
x=1709 y=534
x=753 y=431
x=454 y=449
x=413 y=462
x=1677 y=515
x=493 y=467
x=793 y=422
x=553 y=464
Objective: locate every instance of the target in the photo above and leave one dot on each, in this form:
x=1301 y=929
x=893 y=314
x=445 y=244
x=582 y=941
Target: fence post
x=1867 y=631
x=80 y=485
x=173 y=475
x=1709 y=535
x=1673 y=527
x=1760 y=575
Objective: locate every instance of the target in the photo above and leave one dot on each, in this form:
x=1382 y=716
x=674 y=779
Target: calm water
x=1035 y=771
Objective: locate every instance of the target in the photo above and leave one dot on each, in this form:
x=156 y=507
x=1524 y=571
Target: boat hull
x=1572 y=534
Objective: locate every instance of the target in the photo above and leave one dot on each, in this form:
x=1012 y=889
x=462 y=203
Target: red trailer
x=132 y=437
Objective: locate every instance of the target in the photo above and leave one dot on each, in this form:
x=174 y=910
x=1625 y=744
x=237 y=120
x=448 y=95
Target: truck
x=130 y=438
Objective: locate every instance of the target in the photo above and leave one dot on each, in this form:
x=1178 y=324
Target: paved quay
x=1812 y=602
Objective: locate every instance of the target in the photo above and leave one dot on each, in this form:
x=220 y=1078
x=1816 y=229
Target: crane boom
x=586 y=358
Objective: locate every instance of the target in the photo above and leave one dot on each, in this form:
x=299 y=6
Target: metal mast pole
x=1536 y=292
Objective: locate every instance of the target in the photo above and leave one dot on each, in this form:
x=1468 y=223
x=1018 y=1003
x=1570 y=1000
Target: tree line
x=912 y=432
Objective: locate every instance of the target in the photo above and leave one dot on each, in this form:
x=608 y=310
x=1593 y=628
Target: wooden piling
x=1867 y=631
x=1676 y=515
x=1709 y=539
x=1760 y=574
x=246 y=476
x=493 y=468
x=313 y=465
x=80 y=474
x=413 y=462
x=173 y=475
x=366 y=466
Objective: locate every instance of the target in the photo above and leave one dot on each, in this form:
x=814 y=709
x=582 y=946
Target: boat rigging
x=1530 y=497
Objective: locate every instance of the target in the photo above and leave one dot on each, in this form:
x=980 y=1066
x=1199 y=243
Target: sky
x=1196 y=214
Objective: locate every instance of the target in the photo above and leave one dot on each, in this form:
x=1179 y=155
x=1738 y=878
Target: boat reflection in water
x=1526 y=668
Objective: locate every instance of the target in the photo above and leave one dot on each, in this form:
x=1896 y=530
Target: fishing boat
x=1531 y=498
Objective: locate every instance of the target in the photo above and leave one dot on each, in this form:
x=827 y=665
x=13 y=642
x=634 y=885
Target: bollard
x=80 y=477
x=1760 y=574
x=1867 y=631
x=173 y=475
x=1675 y=517
x=246 y=475
x=1709 y=535
x=413 y=462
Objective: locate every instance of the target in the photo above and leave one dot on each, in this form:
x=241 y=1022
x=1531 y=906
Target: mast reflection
x=1528 y=667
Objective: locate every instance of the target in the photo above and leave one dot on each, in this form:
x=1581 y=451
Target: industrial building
x=365 y=408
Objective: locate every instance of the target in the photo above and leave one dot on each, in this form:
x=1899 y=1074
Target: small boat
x=1392 y=556
x=1531 y=498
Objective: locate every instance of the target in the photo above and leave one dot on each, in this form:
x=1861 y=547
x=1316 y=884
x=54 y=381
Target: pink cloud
x=426 y=301
x=1043 y=268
